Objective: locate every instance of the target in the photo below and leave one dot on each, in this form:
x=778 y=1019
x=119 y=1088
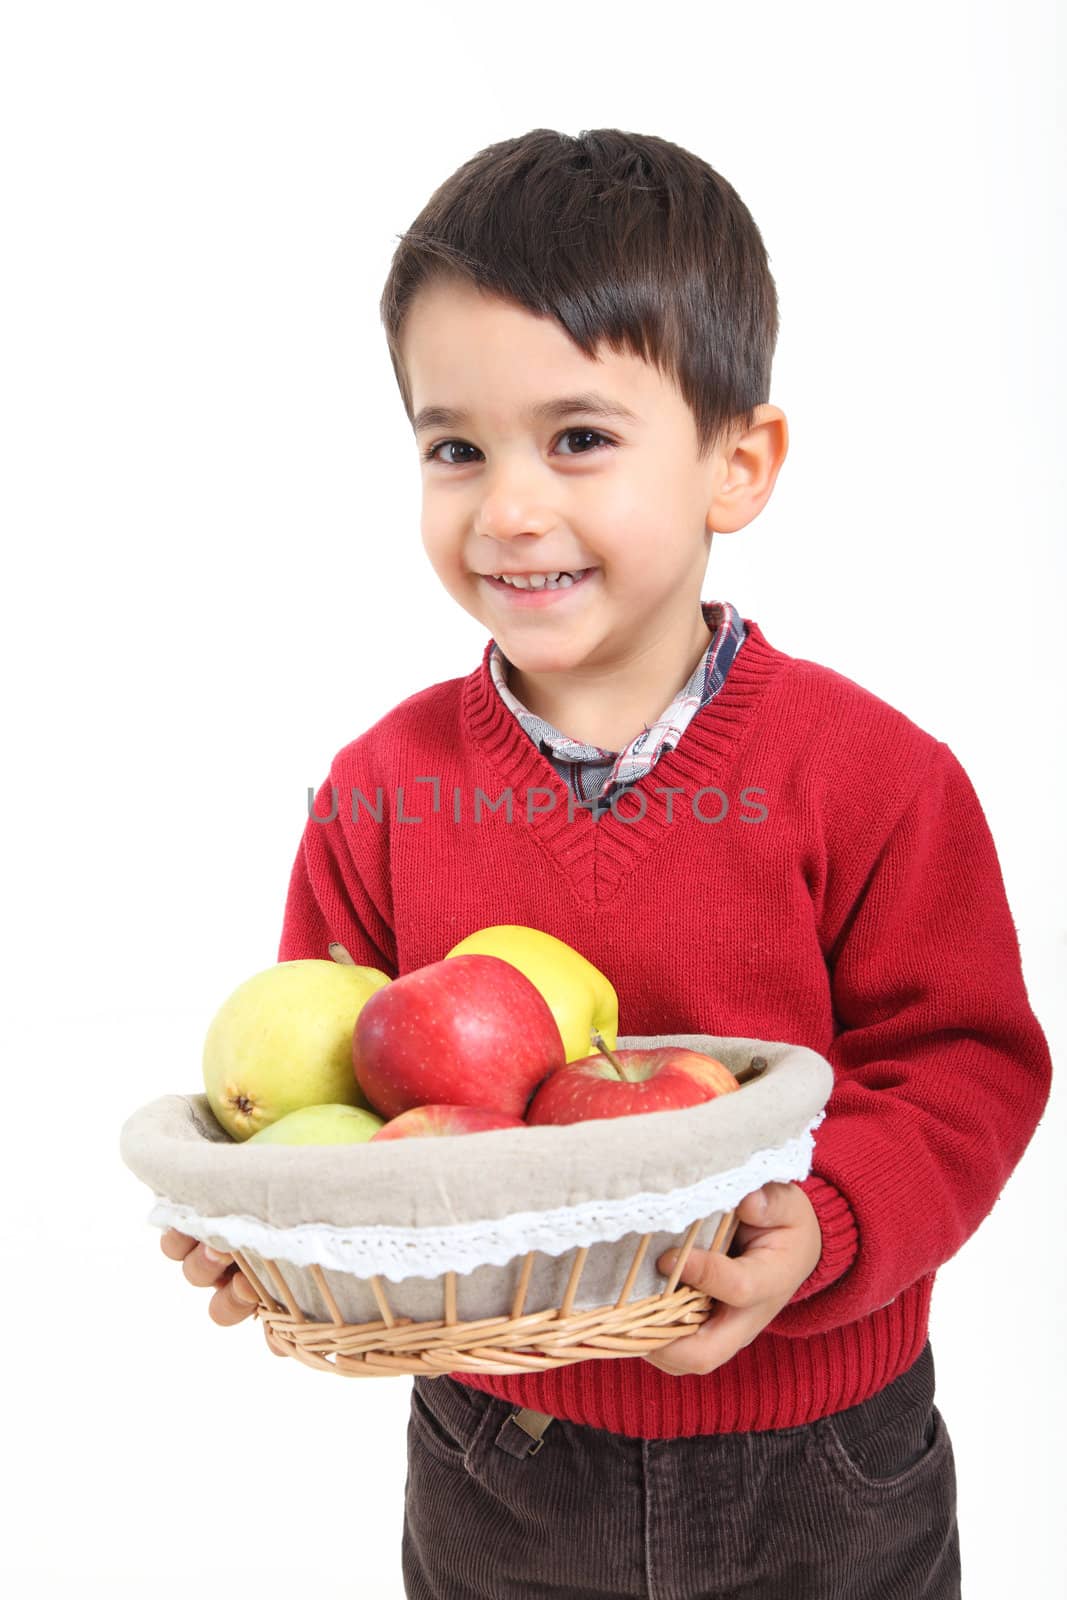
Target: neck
x=609 y=706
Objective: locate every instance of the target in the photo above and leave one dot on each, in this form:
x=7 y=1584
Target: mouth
x=538 y=588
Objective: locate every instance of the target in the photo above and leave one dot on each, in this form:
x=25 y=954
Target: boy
x=744 y=842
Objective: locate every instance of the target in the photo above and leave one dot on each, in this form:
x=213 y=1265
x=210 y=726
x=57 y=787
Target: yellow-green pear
x=579 y=996
x=283 y=1040
x=321 y=1125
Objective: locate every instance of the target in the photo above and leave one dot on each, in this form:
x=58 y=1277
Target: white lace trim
x=397 y=1253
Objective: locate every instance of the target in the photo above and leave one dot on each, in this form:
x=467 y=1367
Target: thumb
x=755 y=1207
x=768 y=1207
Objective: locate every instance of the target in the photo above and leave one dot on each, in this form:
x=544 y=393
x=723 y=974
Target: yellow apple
x=283 y=1040
x=579 y=996
x=321 y=1125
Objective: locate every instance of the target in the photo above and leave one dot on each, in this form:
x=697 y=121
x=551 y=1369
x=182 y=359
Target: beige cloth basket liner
x=410 y=1210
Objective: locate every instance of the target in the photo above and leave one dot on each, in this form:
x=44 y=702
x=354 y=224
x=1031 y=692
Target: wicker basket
x=536 y=1231
x=521 y=1341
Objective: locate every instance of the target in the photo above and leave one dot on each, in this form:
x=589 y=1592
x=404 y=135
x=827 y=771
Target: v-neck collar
x=596 y=855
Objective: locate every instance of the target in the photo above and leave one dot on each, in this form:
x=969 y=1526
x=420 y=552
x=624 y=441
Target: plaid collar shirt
x=596 y=776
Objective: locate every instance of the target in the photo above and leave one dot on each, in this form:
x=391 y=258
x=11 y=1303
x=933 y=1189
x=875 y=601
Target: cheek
x=634 y=513
x=437 y=545
x=445 y=555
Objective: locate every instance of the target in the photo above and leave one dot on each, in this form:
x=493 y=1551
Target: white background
x=213 y=580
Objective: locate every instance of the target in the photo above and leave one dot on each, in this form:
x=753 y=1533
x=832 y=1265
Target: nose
x=513 y=504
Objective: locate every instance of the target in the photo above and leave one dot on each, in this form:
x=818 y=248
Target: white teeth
x=541 y=580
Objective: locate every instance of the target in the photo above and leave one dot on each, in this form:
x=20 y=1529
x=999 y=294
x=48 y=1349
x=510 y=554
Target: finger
x=726 y=1331
x=242 y=1290
x=204 y=1266
x=226 y=1309
x=736 y=1280
x=176 y=1245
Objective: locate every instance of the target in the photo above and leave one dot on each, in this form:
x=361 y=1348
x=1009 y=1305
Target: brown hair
x=621 y=237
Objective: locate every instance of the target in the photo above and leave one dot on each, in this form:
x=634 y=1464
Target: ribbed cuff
x=840 y=1236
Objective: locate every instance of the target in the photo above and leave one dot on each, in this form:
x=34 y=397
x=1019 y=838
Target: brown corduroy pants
x=859 y=1505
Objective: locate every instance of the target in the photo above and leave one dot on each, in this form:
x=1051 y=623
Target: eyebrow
x=589 y=404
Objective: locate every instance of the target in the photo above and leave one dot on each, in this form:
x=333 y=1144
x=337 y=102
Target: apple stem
x=755 y=1069
x=339 y=954
x=598 y=1040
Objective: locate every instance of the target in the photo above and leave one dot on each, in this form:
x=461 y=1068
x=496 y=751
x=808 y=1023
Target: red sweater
x=835 y=885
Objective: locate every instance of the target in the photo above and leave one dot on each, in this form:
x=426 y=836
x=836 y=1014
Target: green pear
x=283 y=1040
x=321 y=1125
x=579 y=995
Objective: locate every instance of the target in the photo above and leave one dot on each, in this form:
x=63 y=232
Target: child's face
x=508 y=492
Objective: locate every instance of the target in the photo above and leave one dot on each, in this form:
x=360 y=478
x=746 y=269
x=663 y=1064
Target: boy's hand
x=234 y=1297
x=781 y=1243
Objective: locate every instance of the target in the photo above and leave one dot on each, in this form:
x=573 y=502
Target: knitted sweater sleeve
x=329 y=897
x=941 y=1068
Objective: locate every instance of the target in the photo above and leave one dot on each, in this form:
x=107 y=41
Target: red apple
x=428 y=1122
x=466 y=1031
x=623 y=1083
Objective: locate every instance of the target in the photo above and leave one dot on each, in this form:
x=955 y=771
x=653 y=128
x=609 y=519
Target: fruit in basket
x=332 y=1124
x=579 y=996
x=432 y=1122
x=283 y=1040
x=469 y=1031
x=624 y=1083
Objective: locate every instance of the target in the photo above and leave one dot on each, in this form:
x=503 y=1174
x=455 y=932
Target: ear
x=746 y=470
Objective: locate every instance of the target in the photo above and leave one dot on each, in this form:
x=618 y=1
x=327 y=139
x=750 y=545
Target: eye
x=588 y=433
x=430 y=454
